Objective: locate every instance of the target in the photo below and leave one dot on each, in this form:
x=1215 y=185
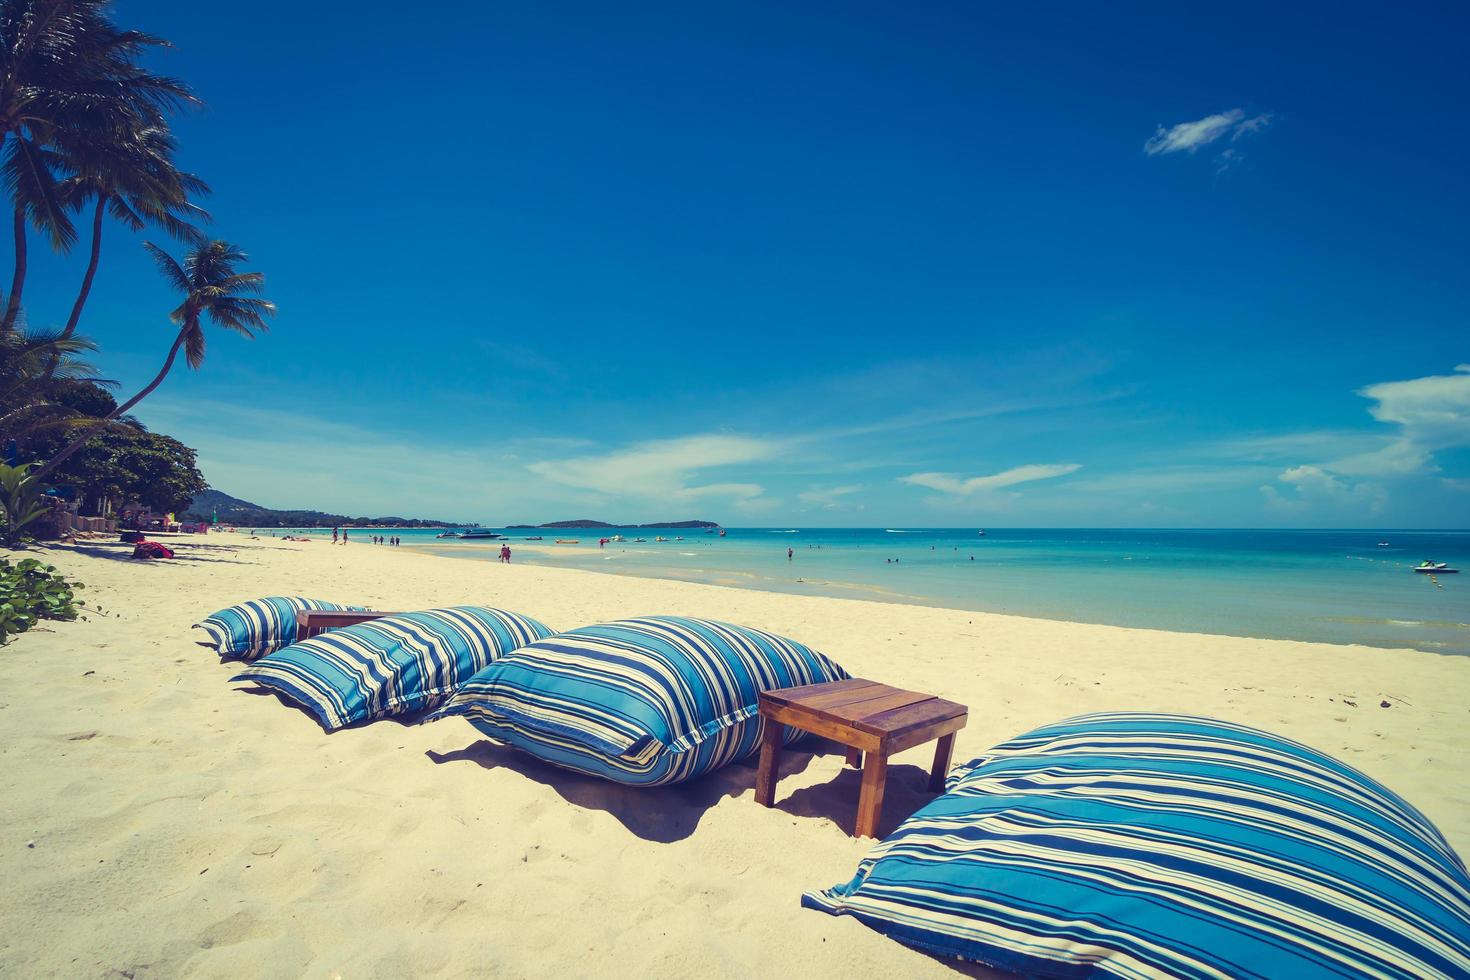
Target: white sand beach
x=160 y=822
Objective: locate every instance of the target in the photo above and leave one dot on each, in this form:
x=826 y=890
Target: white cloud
x=829 y=498
x=1174 y=479
x=1430 y=414
x=964 y=487
x=663 y=468
x=1288 y=446
x=1190 y=137
x=1434 y=412
x=1314 y=486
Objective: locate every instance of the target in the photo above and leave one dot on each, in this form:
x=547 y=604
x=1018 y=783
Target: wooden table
x=867 y=717
x=312 y=622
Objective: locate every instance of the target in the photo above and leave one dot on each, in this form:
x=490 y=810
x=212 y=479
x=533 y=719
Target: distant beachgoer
x=789 y=554
x=505 y=553
x=334 y=535
x=344 y=535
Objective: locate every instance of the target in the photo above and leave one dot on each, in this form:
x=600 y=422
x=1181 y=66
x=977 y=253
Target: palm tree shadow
x=662 y=814
x=125 y=553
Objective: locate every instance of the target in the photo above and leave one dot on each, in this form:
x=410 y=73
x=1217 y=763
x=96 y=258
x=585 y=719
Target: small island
x=587 y=524
x=214 y=505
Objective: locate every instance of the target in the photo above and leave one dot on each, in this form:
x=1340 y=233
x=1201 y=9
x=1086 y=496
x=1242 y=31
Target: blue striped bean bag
x=259 y=626
x=640 y=701
x=1135 y=845
x=391 y=666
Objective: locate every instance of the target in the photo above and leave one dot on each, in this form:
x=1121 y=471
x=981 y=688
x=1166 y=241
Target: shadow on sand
x=664 y=814
x=671 y=813
x=124 y=552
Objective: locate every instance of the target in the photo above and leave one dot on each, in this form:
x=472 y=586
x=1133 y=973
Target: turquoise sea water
x=1330 y=586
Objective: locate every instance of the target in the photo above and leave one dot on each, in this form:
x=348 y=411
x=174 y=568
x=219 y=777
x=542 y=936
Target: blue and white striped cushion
x=391 y=666
x=259 y=626
x=1134 y=845
x=639 y=701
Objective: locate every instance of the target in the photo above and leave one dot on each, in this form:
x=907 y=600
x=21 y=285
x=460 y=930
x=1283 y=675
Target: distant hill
x=233 y=510
x=597 y=524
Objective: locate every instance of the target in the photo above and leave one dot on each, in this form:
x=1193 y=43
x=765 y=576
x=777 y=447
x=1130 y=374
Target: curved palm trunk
x=85 y=291
x=76 y=308
x=100 y=424
x=18 y=280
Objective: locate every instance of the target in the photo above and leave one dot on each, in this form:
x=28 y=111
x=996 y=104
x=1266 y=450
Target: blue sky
x=818 y=264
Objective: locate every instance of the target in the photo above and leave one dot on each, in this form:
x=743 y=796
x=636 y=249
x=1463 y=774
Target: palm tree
x=65 y=70
x=133 y=178
x=211 y=288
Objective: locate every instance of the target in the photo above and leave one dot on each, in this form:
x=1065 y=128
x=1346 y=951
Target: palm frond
x=168 y=268
x=28 y=175
x=194 y=346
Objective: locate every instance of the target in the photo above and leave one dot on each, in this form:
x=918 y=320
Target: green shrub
x=30 y=592
x=21 y=502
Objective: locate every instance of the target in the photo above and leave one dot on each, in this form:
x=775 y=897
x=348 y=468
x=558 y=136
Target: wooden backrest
x=314 y=621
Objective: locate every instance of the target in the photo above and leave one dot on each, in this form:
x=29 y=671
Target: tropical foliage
x=22 y=502
x=69 y=82
x=31 y=592
x=124 y=463
x=37 y=369
x=85 y=129
x=212 y=288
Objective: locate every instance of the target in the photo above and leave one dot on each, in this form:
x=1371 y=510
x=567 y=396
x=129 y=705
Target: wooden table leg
x=854 y=757
x=942 y=755
x=870 y=800
x=770 y=767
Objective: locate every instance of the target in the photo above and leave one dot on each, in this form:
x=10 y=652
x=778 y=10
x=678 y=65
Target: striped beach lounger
x=257 y=627
x=391 y=666
x=644 y=702
x=1150 y=845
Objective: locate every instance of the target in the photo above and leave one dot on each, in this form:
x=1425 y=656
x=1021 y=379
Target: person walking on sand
x=334 y=535
x=344 y=535
x=505 y=553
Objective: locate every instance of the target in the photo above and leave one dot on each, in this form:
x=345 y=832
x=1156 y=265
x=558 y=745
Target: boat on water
x=1383 y=544
x=534 y=538
x=617 y=537
x=568 y=541
x=447 y=534
x=660 y=538
x=722 y=532
x=639 y=541
x=981 y=532
x=478 y=533
x=1435 y=568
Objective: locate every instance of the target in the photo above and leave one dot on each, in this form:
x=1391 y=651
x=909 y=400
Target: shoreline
x=204 y=823
x=550 y=555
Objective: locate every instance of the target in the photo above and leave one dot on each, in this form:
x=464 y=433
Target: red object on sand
x=151 y=549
